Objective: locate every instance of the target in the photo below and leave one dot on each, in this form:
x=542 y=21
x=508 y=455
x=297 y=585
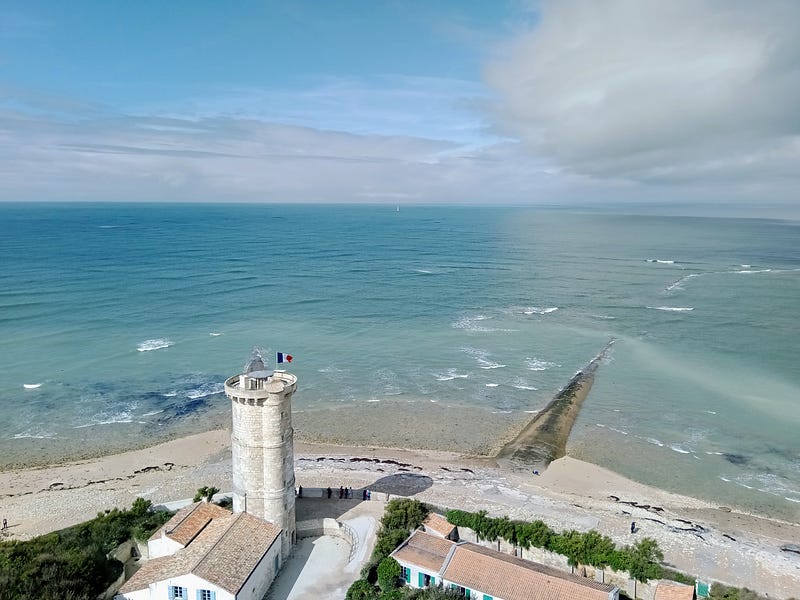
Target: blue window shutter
x=199 y=595
x=171 y=592
x=213 y=595
x=421 y=579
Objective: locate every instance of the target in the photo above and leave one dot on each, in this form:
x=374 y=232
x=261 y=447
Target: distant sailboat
x=398 y=208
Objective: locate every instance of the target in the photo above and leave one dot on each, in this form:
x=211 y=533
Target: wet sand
x=420 y=424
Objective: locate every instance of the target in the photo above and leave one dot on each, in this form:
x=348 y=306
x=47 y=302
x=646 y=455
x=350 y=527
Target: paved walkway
x=319 y=566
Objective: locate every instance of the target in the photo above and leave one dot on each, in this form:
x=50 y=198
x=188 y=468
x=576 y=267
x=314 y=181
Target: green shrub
x=404 y=513
x=673 y=575
x=205 y=493
x=645 y=560
x=388 y=574
x=72 y=563
x=724 y=592
x=361 y=590
x=387 y=541
x=591 y=548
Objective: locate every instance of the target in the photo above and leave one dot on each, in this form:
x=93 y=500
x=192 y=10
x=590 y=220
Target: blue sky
x=443 y=101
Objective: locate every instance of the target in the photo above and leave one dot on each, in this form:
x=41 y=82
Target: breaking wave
x=208 y=389
x=536 y=310
x=535 y=364
x=154 y=344
x=450 y=375
x=482 y=357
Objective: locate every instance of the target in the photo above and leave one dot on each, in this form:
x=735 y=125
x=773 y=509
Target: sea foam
x=35 y=433
x=536 y=364
x=678 y=283
x=536 y=310
x=450 y=375
x=208 y=389
x=470 y=323
x=154 y=344
x=672 y=308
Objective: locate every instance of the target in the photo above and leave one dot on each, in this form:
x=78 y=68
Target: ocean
x=120 y=322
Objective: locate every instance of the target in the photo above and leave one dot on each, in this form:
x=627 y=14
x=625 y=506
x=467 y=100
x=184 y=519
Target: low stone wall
x=328 y=526
x=358 y=494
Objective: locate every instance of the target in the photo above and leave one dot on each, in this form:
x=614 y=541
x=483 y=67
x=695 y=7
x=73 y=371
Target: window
x=406 y=574
x=177 y=593
x=487 y=597
x=206 y=595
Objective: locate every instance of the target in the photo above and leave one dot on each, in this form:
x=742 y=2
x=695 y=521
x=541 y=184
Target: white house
x=481 y=573
x=206 y=552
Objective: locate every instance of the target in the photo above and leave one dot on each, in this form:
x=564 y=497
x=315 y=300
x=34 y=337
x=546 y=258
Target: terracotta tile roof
x=669 y=590
x=505 y=576
x=189 y=521
x=231 y=561
x=224 y=552
x=153 y=570
x=424 y=550
x=438 y=524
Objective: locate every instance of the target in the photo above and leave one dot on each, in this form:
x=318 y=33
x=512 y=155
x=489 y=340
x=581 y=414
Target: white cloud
x=97 y=156
x=682 y=92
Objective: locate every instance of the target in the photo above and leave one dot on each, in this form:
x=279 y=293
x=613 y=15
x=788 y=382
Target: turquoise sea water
x=129 y=317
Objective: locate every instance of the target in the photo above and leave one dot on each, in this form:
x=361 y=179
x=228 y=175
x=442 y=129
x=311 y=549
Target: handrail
x=353 y=538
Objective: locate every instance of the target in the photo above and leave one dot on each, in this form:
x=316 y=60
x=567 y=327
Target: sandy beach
x=719 y=543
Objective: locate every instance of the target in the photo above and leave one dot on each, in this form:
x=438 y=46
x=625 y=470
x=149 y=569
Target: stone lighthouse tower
x=262 y=445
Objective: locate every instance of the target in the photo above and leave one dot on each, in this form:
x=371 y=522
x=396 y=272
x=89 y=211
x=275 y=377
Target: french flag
x=282 y=357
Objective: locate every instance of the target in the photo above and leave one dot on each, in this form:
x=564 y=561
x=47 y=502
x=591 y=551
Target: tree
x=387 y=541
x=205 y=493
x=141 y=507
x=645 y=560
x=388 y=574
x=404 y=513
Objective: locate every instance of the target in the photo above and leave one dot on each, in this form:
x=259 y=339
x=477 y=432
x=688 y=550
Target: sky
x=540 y=102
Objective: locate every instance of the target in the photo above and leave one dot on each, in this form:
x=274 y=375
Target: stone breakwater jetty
x=544 y=438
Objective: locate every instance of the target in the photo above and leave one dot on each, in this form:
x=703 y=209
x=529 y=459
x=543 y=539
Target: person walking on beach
x=329 y=492
x=633 y=526
x=300 y=492
x=341 y=492
x=5 y=523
